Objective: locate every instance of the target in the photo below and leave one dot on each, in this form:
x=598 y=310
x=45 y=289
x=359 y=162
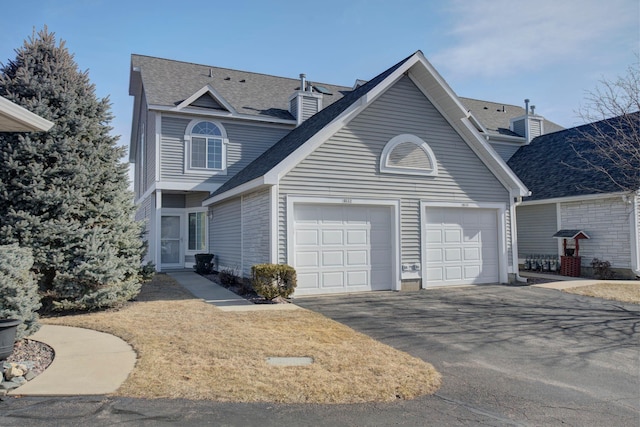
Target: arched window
x=407 y=154
x=206 y=147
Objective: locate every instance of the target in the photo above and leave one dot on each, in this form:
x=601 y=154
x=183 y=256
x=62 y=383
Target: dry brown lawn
x=189 y=349
x=618 y=291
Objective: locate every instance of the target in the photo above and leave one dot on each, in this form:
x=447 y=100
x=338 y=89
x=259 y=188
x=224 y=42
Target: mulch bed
x=243 y=288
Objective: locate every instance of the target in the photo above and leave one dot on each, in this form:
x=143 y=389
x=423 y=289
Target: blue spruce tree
x=64 y=193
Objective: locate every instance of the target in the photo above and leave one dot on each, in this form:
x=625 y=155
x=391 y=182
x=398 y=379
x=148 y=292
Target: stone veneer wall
x=607 y=222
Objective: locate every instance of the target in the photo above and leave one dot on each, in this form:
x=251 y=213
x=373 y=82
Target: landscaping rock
x=12 y=372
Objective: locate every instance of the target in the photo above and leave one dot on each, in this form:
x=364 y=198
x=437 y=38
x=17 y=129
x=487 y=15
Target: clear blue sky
x=550 y=51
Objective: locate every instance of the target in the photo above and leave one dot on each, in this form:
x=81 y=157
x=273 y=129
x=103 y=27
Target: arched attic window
x=409 y=155
x=205 y=147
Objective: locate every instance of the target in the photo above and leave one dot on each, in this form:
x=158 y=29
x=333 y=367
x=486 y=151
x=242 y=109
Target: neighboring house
x=566 y=194
x=391 y=184
x=14 y=118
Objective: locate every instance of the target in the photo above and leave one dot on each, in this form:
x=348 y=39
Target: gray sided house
x=395 y=183
x=566 y=194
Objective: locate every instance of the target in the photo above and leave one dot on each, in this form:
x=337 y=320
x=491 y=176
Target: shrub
x=229 y=276
x=147 y=272
x=273 y=280
x=18 y=289
x=204 y=263
x=602 y=269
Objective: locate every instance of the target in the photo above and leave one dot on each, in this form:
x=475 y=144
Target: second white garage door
x=461 y=246
x=342 y=248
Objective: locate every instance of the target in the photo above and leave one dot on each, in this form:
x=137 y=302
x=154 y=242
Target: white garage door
x=461 y=246
x=342 y=248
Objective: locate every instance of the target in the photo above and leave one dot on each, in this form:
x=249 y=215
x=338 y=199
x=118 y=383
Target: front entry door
x=171 y=254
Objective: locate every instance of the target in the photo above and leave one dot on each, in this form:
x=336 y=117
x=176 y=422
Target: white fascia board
x=205 y=89
x=200 y=112
x=20 y=119
x=177 y=186
x=579 y=198
x=447 y=103
x=236 y=191
x=507 y=140
x=276 y=173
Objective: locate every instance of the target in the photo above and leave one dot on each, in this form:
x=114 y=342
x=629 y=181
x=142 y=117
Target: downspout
x=514 y=239
x=635 y=249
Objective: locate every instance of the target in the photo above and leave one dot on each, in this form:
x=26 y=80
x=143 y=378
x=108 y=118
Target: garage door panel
x=307 y=259
x=434 y=236
x=453 y=273
x=472 y=254
x=468 y=250
x=332 y=237
x=452 y=254
x=307 y=280
x=356 y=237
x=357 y=258
x=434 y=256
x=306 y=237
x=452 y=236
x=332 y=279
x=471 y=272
x=434 y=274
x=357 y=278
x=332 y=258
x=338 y=248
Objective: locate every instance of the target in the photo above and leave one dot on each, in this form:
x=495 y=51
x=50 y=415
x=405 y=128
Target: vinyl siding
x=194 y=199
x=225 y=234
x=207 y=101
x=536 y=226
x=255 y=230
x=607 y=222
x=144 y=214
x=506 y=151
x=246 y=142
x=150 y=150
x=347 y=165
x=309 y=107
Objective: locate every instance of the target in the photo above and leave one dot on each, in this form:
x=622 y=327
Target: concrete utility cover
x=289 y=361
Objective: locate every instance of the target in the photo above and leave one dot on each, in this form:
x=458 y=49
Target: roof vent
x=210 y=72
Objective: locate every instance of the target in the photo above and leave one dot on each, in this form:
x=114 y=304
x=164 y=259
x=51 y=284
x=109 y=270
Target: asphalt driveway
x=521 y=355
x=508 y=355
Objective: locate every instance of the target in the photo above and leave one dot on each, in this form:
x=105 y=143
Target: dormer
x=304 y=103
x=528 y=126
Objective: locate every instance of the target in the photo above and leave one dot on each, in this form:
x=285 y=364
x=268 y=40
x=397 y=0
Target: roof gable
x=278 y=159
x=551 y=167
x=168 y=83
x=206 y=97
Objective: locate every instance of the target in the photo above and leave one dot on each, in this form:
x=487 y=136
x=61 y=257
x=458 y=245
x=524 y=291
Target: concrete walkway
x=86 y=362
x=89 y=362
x=219 y=296
x=564 y=282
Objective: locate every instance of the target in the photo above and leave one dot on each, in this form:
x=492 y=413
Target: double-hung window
x=206 y=147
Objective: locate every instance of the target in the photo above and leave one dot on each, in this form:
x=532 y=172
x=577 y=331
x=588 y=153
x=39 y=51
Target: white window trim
x=397 y=140
x=186 y=231
x=187 y=150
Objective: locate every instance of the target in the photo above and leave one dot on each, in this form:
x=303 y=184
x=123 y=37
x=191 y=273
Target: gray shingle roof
x=550 y=166
x=298 y=136
x=495 y=117
x=168 y=83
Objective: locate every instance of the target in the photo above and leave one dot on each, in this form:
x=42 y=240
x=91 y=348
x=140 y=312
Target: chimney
x=304 y=102
x=529 y=125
